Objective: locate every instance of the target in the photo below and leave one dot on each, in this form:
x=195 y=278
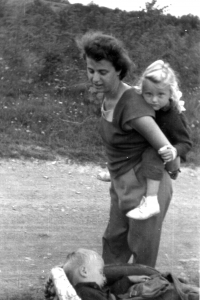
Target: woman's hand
x=138 y=278
x=168 y=153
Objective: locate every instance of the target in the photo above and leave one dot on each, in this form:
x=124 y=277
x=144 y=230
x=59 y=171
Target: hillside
x=52 y=3
x=44 y=92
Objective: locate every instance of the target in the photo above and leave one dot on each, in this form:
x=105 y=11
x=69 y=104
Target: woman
x=127 y=129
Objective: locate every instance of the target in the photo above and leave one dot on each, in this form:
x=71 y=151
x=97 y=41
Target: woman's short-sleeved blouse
x=124 y=147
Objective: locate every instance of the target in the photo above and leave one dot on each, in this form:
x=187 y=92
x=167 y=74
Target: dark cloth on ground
x=161 y=287
x=158 y=287
x=91 y=291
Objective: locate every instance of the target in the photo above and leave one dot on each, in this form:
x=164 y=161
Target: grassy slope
x=53 y=118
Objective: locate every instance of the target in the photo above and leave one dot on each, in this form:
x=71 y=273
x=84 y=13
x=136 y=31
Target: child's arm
x=178 y=133
x=153 y=134
x=138 y=278
x=64 y=289
x=122 y=285
x=148 y=128
x=182 y=137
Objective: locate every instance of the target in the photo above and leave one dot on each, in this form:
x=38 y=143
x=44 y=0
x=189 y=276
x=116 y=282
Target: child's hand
x=168 y=153
x=138 y=278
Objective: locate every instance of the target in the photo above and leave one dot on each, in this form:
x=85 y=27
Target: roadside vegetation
x=47 y=108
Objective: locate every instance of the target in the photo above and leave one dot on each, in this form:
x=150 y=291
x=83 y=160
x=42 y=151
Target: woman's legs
x=123 y=236
x=115 y=244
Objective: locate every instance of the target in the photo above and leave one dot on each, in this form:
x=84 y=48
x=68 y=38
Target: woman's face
x=102 y=75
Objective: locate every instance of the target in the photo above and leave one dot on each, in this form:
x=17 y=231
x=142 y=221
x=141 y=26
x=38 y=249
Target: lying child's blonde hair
x=160 y=72
x=77 y=259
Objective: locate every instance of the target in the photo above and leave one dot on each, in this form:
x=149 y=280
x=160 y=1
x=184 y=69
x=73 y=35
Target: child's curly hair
x=160 y=72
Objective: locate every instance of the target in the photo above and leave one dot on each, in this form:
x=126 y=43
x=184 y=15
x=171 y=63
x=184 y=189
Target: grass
x=47 y=125
x=47 y=119
x=46 y=109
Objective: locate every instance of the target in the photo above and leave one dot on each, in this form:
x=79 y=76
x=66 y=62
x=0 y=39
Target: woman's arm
x=148 y=128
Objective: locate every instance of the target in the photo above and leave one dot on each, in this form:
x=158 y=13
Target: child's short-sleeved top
x=124 y=147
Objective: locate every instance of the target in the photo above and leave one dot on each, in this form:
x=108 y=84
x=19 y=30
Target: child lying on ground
x=84 y=269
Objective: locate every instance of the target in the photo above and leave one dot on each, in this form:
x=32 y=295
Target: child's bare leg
x=151 y=170
x=152 y=187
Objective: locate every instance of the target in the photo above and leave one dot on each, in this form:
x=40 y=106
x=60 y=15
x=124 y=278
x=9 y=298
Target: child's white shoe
x=147 y=208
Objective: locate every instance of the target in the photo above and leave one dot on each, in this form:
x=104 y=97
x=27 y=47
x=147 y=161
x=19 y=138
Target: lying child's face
x=95 y=272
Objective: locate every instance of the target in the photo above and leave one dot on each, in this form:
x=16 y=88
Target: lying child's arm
x=121 y=286
x=137 y=278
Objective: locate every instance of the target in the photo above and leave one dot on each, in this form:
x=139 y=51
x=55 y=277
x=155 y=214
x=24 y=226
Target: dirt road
x=51 y=208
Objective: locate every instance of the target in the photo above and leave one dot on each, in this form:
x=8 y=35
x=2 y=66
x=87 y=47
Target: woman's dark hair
x=98 y=46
